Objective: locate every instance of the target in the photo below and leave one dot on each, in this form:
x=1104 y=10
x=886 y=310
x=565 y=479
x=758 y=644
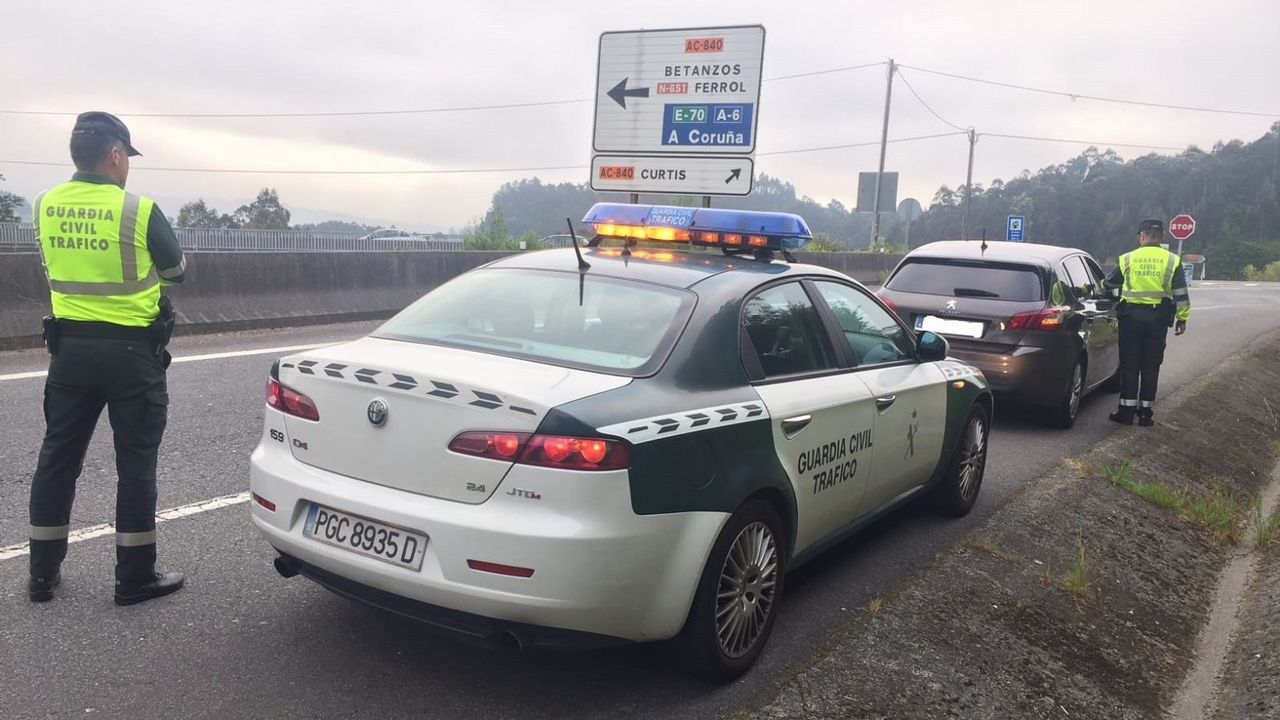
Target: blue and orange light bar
x=729 y=229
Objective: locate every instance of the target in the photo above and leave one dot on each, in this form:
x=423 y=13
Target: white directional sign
x=679 y=91
x=690 y=94
x=667 y=174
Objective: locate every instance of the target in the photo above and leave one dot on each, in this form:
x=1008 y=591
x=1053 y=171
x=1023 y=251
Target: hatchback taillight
x=1047 y=319
x=555 y=451
x=290 y=401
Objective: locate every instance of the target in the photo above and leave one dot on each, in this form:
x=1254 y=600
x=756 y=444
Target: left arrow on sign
x=620 y=93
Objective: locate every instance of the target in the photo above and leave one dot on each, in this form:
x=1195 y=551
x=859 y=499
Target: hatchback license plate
x=945 y=326
x=366 y=537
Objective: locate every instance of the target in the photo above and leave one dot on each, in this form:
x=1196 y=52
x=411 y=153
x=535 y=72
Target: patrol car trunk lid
x=430 y=395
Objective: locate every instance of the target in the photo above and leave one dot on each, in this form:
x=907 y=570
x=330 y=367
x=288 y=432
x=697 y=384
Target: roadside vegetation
x=1265 y=528
x=1218 y=511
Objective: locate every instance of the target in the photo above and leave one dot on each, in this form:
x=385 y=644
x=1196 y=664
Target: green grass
x=1219 y=512
x=1216 y=510
x=1158 y=494
x=1275 y=448
x=1265 y=529
x=1080 y=578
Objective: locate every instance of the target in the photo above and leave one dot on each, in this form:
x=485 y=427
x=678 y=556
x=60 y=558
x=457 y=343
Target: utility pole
x=968 y=187
x=884 y=143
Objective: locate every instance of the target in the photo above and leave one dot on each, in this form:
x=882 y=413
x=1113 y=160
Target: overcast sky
x=252 y=56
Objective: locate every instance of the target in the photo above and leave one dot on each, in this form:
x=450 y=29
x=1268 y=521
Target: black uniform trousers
x=86 y=374
x=1144 y=330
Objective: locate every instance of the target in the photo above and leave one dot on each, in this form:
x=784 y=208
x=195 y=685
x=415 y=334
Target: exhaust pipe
x=286 y=566
x=510 y=640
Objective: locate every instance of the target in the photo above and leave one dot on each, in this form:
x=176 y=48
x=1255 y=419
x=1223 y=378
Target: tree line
x=1093 y=201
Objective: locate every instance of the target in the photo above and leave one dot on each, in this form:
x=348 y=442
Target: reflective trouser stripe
x=50 y=532
x=1146 y=403
x=135 y=539
x=1125 y=402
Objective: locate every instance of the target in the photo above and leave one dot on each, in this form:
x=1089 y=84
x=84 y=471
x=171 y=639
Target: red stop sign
x=1182 y=227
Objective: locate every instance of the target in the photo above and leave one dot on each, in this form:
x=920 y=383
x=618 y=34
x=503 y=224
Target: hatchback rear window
x=981 y=280
x=615 y=326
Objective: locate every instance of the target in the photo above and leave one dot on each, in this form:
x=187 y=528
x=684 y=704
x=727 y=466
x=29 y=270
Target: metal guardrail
x=22 y=239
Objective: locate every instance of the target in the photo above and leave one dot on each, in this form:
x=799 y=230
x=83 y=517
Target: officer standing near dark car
x=106 y=252
x=1153 y=297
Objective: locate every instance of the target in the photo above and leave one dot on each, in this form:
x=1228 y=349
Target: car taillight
x=492 y=445
x=290 y=401
x=893 y=306
x=569 y=453
x=1047 y=319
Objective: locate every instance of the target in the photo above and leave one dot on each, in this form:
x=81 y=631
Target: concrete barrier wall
x=239 y=290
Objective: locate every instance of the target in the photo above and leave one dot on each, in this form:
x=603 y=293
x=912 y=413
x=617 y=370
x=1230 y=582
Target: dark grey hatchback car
x=1034 y=318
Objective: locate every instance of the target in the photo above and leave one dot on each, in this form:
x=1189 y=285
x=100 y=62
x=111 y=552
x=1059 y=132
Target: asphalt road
x=241 y=642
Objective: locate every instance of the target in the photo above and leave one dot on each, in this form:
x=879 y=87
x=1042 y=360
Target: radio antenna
x=573 y=238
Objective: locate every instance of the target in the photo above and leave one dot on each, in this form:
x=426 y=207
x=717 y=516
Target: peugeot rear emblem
x=378 y=412
x=951 y=306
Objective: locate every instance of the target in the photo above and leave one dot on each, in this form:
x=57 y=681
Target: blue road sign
x=708 y=125
x=1013 y=231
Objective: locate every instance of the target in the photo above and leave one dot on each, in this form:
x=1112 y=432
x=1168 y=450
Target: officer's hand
x=1180 y=327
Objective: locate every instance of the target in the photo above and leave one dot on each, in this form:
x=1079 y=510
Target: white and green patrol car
x=631 y=445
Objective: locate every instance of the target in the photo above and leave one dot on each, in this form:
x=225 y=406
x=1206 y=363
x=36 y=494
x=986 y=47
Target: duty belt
x=81 y=328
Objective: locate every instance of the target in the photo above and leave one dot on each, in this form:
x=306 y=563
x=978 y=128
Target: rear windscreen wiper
x=974 y=292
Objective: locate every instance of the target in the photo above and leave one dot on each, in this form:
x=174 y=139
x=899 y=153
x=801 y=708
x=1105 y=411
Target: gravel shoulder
x=1078 y=598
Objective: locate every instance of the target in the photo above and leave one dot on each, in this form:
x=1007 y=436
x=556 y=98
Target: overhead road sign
x=672 y=175
x=1014 y=228
x=691 y=91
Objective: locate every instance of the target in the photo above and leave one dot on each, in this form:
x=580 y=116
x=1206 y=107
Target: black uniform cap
x=1155 y=226
x=103 y=123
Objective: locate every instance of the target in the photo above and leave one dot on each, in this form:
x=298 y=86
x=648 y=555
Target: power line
x=1082 y=142
x=452 y=171
x=420 y=111
x=1099 y=98
x=945 y=121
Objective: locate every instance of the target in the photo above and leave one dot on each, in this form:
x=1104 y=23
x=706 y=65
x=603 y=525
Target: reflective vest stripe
x=35 y=220
x=175 y=271
x=128 y=262
x=1128 y=277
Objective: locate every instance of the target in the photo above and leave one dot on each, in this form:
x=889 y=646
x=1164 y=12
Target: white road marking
x=193 y=358
x=94 y=531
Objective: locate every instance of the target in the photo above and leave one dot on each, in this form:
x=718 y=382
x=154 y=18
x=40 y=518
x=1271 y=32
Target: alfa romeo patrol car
x=620 y=443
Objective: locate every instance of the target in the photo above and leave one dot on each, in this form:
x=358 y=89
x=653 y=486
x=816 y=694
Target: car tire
x=956 y=494
x=1063 y=415
x=734 y=607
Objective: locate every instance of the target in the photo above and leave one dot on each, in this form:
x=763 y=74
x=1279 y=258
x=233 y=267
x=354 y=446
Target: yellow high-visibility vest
x=93 y=242
x=1148 y=275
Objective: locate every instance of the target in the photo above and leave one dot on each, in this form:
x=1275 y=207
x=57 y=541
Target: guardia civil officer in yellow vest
x=1153 y=297
x=106 y=253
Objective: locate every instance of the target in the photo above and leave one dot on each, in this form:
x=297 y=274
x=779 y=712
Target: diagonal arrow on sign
x=733 y=175
x=620 y=93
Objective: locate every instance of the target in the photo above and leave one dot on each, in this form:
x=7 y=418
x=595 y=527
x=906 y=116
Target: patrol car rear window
x=979 y=280
x=615 y=326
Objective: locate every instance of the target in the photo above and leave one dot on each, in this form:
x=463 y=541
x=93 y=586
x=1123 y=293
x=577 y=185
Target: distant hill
x=1093 y=201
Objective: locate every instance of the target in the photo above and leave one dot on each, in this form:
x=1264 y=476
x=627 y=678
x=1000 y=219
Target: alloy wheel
x=744 y=598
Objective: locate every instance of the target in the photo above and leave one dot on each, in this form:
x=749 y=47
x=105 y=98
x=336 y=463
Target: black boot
x=1145 y=421
x=161 y=584
x=1124 y=416
x=41 y=589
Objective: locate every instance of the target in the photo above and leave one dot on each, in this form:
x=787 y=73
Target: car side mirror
x=932 y=347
